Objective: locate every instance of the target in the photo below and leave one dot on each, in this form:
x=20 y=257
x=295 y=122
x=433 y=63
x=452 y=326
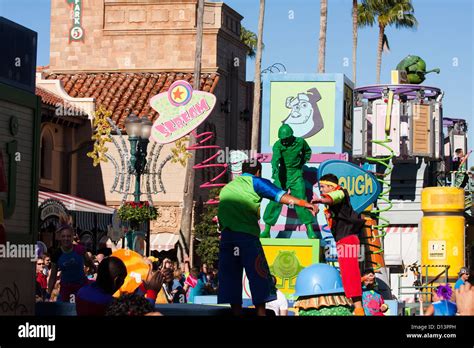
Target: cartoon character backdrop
x=314 y=105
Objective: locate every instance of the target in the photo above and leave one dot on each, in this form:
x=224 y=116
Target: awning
x=87 y=215
x=75 y=203
x=163 y=241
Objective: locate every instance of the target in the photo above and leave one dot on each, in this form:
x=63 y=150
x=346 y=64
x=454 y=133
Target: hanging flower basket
x=137 y=213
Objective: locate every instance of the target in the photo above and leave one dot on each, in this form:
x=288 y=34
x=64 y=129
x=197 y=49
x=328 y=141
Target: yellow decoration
x=180 y=152
x=101 y=136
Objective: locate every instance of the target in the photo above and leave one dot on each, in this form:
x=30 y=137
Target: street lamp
x=138 y=130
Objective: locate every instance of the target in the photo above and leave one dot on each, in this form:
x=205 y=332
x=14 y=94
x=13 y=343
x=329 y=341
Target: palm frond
x=249 y=39
x=365 y=16
x=385 y=45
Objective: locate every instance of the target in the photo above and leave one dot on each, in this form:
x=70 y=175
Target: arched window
x=46 y=155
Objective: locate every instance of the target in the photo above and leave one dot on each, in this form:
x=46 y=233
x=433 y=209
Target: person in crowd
x=280 y=305
x=47 y=264
x=178 y=294
x=193 y=286
x=442 y=304
x=93 y=299
x=210 y=283
x=203 y=273
x=372 y=301
x=465 y=299
x=463 y=275
x=41 y=280
x=90 y=268
x=240 y=247
x=345 y=225
x=167 y=263
x=69 y=258
x=99 y=258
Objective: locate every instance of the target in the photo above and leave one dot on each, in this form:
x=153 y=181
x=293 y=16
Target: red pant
x=348 y=251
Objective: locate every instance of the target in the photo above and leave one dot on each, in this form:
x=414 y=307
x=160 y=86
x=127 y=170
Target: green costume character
x=289 y=156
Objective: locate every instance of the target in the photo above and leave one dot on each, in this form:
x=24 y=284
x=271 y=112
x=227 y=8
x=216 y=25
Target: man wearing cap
x=463 y=277
x=289 y=155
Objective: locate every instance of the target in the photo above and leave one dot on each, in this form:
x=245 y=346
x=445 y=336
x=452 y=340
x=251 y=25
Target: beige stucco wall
x=150 y=35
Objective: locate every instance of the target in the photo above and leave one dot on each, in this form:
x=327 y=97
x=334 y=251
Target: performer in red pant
x=345 y=225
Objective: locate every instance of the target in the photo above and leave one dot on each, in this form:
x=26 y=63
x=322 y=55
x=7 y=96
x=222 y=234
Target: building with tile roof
x=125 y=53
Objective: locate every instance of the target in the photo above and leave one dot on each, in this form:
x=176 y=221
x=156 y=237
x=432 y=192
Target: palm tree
x=257 y=85
x=354 y=39
x=323 y=21
x=188 y=194
x=249 y=39
x=386 y=12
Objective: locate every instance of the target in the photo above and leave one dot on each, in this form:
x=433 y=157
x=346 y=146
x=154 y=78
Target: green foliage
x=249 y=39
x=387 y=12
x=206 y=232
x=208 y=250
x=137 y=212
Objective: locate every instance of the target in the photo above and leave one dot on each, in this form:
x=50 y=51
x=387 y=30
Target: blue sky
x=444 y=38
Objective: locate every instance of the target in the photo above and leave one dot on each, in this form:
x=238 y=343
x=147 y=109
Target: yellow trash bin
x=442 y=230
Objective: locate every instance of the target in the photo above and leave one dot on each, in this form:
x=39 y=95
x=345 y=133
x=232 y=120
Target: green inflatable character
x=415 y=68
x=289 y=156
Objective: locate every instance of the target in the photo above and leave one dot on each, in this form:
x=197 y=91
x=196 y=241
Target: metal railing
x=423 y=284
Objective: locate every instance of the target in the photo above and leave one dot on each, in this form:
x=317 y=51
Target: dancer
x=345 y=225
x=240 y=247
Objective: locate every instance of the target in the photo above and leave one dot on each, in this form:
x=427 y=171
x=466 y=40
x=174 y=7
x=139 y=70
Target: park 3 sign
x=362 y=186
x=181 y=111
x=76 y=33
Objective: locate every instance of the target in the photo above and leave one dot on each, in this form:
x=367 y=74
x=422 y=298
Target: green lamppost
x=138 y=131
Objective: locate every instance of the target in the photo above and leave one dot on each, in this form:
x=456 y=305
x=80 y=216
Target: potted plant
x=137 y=213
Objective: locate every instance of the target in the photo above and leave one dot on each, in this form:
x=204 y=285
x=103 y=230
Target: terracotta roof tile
x=124 y=93
x=52 y=99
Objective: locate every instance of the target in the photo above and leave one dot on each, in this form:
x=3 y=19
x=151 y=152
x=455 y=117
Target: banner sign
x=77 y=32
x=362 y=186
x=181 y=111
x=52 y=207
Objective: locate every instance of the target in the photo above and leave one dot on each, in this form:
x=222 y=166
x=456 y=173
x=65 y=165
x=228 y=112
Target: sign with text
x=76 y=32
x=362 y=186
x=181 y=111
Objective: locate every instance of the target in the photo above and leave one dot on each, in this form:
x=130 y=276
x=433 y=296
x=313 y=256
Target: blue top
x=71 y=264
x=444 y=308
x=180 y=295
x=198 y=290
x=458 y=284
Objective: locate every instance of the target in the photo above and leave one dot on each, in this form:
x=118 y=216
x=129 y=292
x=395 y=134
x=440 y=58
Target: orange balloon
x=138 y=269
